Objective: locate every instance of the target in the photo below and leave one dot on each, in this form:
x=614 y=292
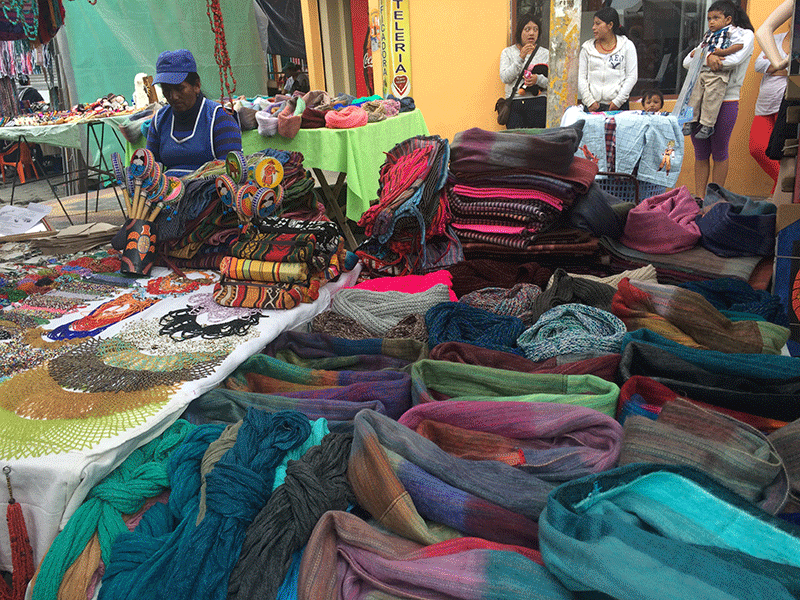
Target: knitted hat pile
x=737 y=455
x=457 y=322
x=406 y=103
x=514 y=302
x=313 y=485
x=124 y=491
x=572 y=329
x=199 y=561
x=290 y=118
x=346 y=118
x=391 y=107
x=380 y=311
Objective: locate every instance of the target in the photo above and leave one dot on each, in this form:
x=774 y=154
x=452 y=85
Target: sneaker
x=688 y=128
x=704 y=132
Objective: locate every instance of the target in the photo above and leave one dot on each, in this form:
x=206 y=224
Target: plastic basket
x=627 y=188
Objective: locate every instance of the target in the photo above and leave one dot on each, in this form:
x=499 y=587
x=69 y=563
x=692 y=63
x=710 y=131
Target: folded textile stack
x=508 y=188
x=279 y=263
x=408 y=227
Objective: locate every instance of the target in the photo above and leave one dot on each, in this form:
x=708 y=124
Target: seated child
x=652 y=101
x=722 y=39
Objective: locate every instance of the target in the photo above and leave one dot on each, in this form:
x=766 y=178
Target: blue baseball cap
x=173 y=66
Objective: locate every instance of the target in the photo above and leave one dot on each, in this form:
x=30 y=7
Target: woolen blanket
x=556 y=442
x=512 y=302
x=348 y=558
x=572 y=329
x=266 y=375
x=737 y=455
x=663 y=224
x=405 y=481
x=691 y=536
x=762 y=384
x=678 y=313
x=438 y=380
x=460 y=352
x=478 y=273
x=551 y=150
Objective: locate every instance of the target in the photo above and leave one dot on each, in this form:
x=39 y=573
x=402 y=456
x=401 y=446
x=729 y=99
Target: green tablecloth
x=358 y=152
x=65 y=135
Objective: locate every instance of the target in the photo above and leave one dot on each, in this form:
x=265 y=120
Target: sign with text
x=396 y=52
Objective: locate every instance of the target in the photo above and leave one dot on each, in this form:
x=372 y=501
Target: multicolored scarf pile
x=691 y=536
x=410 y=207
x=689 y=319
x=737 y=455
x=434 y=380
x=347 y=557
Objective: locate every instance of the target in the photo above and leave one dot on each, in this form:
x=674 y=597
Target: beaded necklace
x=174 y=284
x=204 y=304
x=102 y=317
x=181 y=325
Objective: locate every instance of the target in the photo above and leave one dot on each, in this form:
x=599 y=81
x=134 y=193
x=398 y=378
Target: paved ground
x=102 y=205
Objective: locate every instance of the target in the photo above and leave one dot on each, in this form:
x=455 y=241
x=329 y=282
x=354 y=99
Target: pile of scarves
x=509 y=188
x=408 y=227
x=279 y=263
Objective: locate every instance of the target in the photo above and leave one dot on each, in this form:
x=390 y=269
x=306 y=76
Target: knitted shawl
x=379 y=311
x=689 y=319
x=786 y=441
x=267 y=375
x=460 y=352
x=434 y=380
x=572 y=329
x=556 y=442
x=762 y=384
x=729 y=230
x=663 y=224
x=691 y=536
x=406 y=481
x=728 y=293
x=347 y=557
x=512 y=302
x=640 y=395
x=737 y=455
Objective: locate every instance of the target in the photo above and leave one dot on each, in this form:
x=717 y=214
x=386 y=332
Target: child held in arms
x=722 y=39
x=652 y=101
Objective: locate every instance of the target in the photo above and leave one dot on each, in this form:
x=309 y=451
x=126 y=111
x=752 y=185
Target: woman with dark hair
x=608 y=66
x=526 y=62
x=192 y=130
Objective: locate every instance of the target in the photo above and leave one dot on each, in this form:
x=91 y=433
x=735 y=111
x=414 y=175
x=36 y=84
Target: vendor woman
x=192 y=130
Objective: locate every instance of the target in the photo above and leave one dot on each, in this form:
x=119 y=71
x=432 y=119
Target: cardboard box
x=786 y=279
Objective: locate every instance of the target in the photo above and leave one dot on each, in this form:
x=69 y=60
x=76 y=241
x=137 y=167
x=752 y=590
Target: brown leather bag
x=503 y=105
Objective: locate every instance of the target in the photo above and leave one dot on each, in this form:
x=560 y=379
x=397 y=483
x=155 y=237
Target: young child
x=652 y=101
x=722 y=39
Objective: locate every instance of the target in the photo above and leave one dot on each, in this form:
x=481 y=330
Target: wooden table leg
x=330 y=198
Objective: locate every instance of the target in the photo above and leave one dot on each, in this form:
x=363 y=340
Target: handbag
x=503 y=105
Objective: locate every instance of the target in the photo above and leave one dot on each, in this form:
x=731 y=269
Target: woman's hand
x=526 y=49
x=714 y=62
x=594 y=107
x=613 y=106
x=531 y=80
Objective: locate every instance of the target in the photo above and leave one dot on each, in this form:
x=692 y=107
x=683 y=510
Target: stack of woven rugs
x=509 y=189
x=408 y=227
x=279 y=263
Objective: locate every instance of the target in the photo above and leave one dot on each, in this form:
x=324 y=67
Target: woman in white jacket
x=608 y=67
x=529 y=107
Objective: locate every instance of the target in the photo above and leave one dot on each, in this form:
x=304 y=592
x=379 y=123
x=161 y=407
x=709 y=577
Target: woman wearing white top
x=608 y=67
x=529 y=107
x=770 y=94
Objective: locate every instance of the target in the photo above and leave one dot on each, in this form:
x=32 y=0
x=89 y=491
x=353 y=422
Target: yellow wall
x=455 y=59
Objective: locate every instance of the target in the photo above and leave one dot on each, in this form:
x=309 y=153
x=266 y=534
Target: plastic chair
x=23 y=163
